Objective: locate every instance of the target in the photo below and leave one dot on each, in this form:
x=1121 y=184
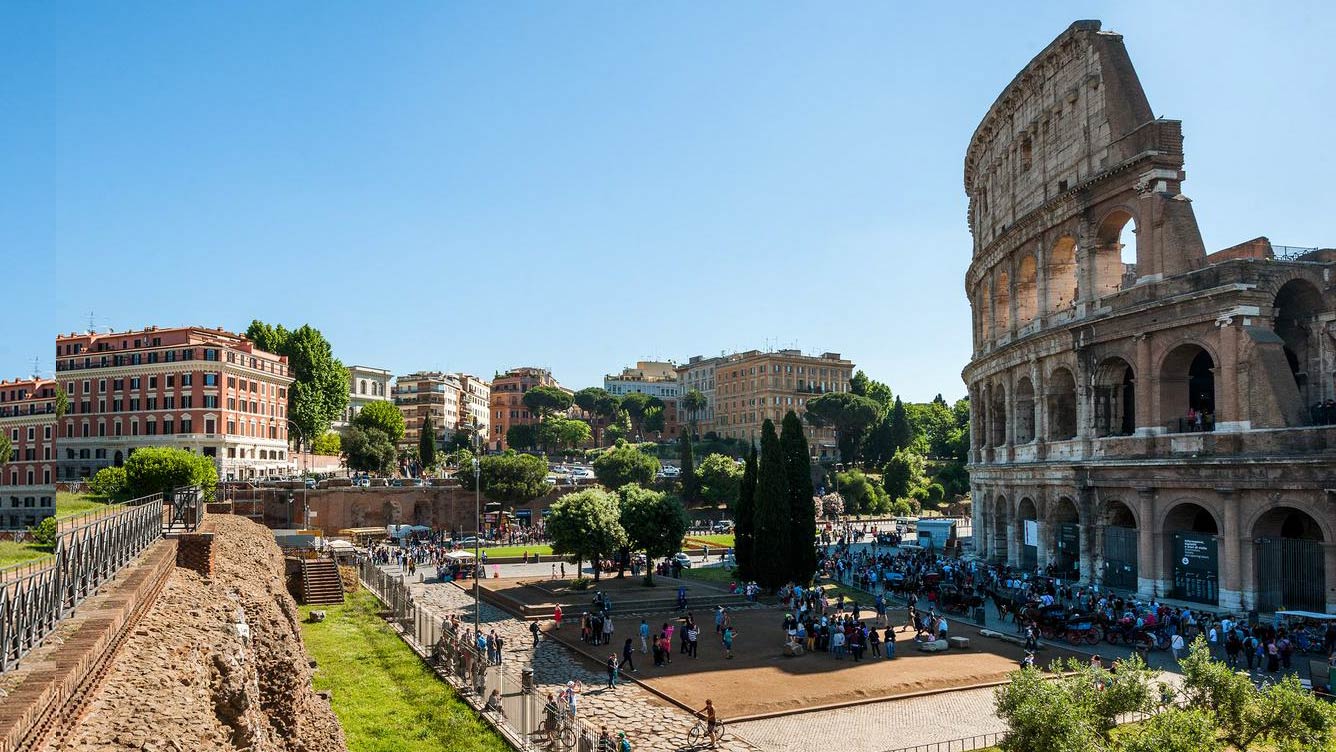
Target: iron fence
x=466 y=668
x=981 y=741
x=89 y=550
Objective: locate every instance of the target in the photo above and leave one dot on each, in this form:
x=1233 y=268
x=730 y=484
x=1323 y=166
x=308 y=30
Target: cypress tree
x=744 y=527
x=427 y=444
x=688 y=462
x=771 y=550
x=901 y=432
x=802 y=504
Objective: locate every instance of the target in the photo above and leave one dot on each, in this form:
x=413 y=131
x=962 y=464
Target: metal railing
x=981 y=741
x=89 y=550
x=466 y=668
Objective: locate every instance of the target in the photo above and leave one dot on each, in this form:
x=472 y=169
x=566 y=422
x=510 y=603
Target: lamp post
x=306 y=502
x=477 y=528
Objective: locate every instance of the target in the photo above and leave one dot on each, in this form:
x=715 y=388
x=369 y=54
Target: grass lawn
x=719 y=575
x=385 y=697
x=69 y=504
x=723 y=541
x=497 y=552
x=18 y=553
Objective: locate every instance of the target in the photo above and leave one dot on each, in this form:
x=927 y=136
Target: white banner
x=1031 y=532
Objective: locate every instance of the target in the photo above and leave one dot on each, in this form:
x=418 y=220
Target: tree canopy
x=161 y=469
x=427 y=444
x=654 y=522
x=369 y=450
x=513 y=478
x=384 y=417
x=693 y=402
x=850 y=415
x=545 y=400
x=319 y=392
x=719 y=479
x=623 y=464
x=327 y=443
x=744 y=528
x=522 y=436
x=802 y=499
x=585 y=525
x=771 y=547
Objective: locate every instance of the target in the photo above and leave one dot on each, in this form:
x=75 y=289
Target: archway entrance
x=1061 y=405
x=118 y=459
x=1298 y=304
x=1194 y=554
x=1024 y=411
x=1187 y=390
x=1067 y=549
x=1291 y=571
x=1028 y=519
x=999 y=416
x=1120 y=547
x=1115 y=398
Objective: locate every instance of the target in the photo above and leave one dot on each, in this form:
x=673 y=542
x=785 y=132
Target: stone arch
x=1115 y=266
x=1002 y=303
x=1115 y=398
x=1290 y=567
x=1119 y=545
x=1065 y=529
x=1061 y=393
x=998 y=416
x=1191 y=531
x=1027 y=290
x=986 y=333
x=1187 y=388
x=1024 y=431
x=1298 y=304
x=1027 y=515
x=1060 y=275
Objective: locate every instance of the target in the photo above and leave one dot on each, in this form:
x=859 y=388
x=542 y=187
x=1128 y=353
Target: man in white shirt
x=1176 y=645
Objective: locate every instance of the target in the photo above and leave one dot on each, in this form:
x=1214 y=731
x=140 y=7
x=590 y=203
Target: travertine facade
x=1144 y=415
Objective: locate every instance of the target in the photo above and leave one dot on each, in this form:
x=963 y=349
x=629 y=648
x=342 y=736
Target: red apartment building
x=28 y=474
x=507 y=400
x=204 y=390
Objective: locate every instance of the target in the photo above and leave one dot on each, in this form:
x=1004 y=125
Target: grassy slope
x=67 y=504
x=384 y=696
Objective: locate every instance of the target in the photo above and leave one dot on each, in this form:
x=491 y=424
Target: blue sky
x=580 y=185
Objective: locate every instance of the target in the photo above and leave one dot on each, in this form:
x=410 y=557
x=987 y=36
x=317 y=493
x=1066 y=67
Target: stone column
x=1041 y=285
x=1329 y=570
x=1046 y=542
x=1232 y=552
x=1147 y=394
x=1085 y=506
x=1148 y=563
x=1014 y=538
x=977 y=517
x=1228 y=417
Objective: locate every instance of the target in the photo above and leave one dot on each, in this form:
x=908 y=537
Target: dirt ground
x=533 y=591
x=760 y=679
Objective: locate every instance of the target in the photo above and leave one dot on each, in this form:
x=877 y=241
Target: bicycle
x=699 y=733
x=567 y=732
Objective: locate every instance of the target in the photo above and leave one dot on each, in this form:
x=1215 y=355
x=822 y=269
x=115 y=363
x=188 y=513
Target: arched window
x=1027 y=291
x=1115 y=255
x=1298 y=305
x=1024 y=411
x=1061 y=405
x=1115 y=398
x=1002 y=304
x=1187 y=390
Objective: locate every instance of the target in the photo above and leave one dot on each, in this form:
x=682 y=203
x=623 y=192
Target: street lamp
x=477 y=442
x=306 y=503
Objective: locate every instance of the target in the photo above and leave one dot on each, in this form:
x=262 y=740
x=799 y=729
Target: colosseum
x=1145 y=415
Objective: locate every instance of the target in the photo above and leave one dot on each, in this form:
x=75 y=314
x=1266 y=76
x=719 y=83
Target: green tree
x=160 y=469
x=903 y=474
x=1075 y=711
x=615 y=433
x=694 y=402
x=587 y=399
x=636 y=406
x=460 y=439
x=328 y=444
x=687 y=466
x=654 y=523
x=863 y=386
x=878 y=444
x=585 y=525
x=319 y=392
x=849 y=414
x=771 y=546
x=862 y=496
x=6 y=449
x=110 y=483
x=513 y=478
x=1172 y=731
x=62 y=402
x=902 y=433
x=625 y=464
x=655 y=421
x=44 y=534
x=384 y=417
x=522 y=436
x=574 y=434
x=802 y=499
x=744 y=527
x=546 y=400
x=459 y=458
x=719 y=479
x=427 y=444
x=369 y=450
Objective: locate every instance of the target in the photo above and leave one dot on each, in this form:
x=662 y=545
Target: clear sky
x=578 y=185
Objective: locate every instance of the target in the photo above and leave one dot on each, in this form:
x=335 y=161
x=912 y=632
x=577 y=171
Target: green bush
x=160 y=469
x=110 y=483
x=45 y=533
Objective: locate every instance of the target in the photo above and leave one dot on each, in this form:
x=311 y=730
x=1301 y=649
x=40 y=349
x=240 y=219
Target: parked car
x=671 y=472
x=722 y=526
x=310 y=482
x=551 y=479
x=397 y=483
x=363 y=482
x=683 y=559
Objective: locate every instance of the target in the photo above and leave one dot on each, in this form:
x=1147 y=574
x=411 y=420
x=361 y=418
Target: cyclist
x=551 y=718
x=707 y=713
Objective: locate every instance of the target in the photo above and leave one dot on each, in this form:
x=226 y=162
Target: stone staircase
x=321 y=583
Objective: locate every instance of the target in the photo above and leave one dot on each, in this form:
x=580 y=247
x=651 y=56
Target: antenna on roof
x=92 y=322
x=36 y=364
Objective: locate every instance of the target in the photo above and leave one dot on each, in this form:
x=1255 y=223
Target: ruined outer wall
x=339 y=508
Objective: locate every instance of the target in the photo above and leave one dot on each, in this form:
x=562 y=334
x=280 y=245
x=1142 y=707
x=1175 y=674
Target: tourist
x=888 y=642
x=551 y=718
x=533 y=629
x=556 y=616
x=874 y=643
x=728 y=641
x=627 y=651
x=494 y=703
x=1176 y=645
x=707 y=713
x=644 y=636
x=612 y=671
x=623 y=744
x=571 y=695
x=719 y=619
x=837 y=644
x=658 y=649
x=607 y=630
x=604 y=741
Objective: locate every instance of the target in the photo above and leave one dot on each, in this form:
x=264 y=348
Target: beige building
x=365 y=385
x=453 y=400
x=1145 y=415
x=698 y=374
x=753 y=386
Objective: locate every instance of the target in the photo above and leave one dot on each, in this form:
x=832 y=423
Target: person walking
x=556 y=616
x=644 y=636
x=623 y=744
x=533 y=629
x=692 y=636
x=612 y=671
x=1176 y=645
x=627 y=652
x=728 y=641
x=874 y=643
x=607 y=630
